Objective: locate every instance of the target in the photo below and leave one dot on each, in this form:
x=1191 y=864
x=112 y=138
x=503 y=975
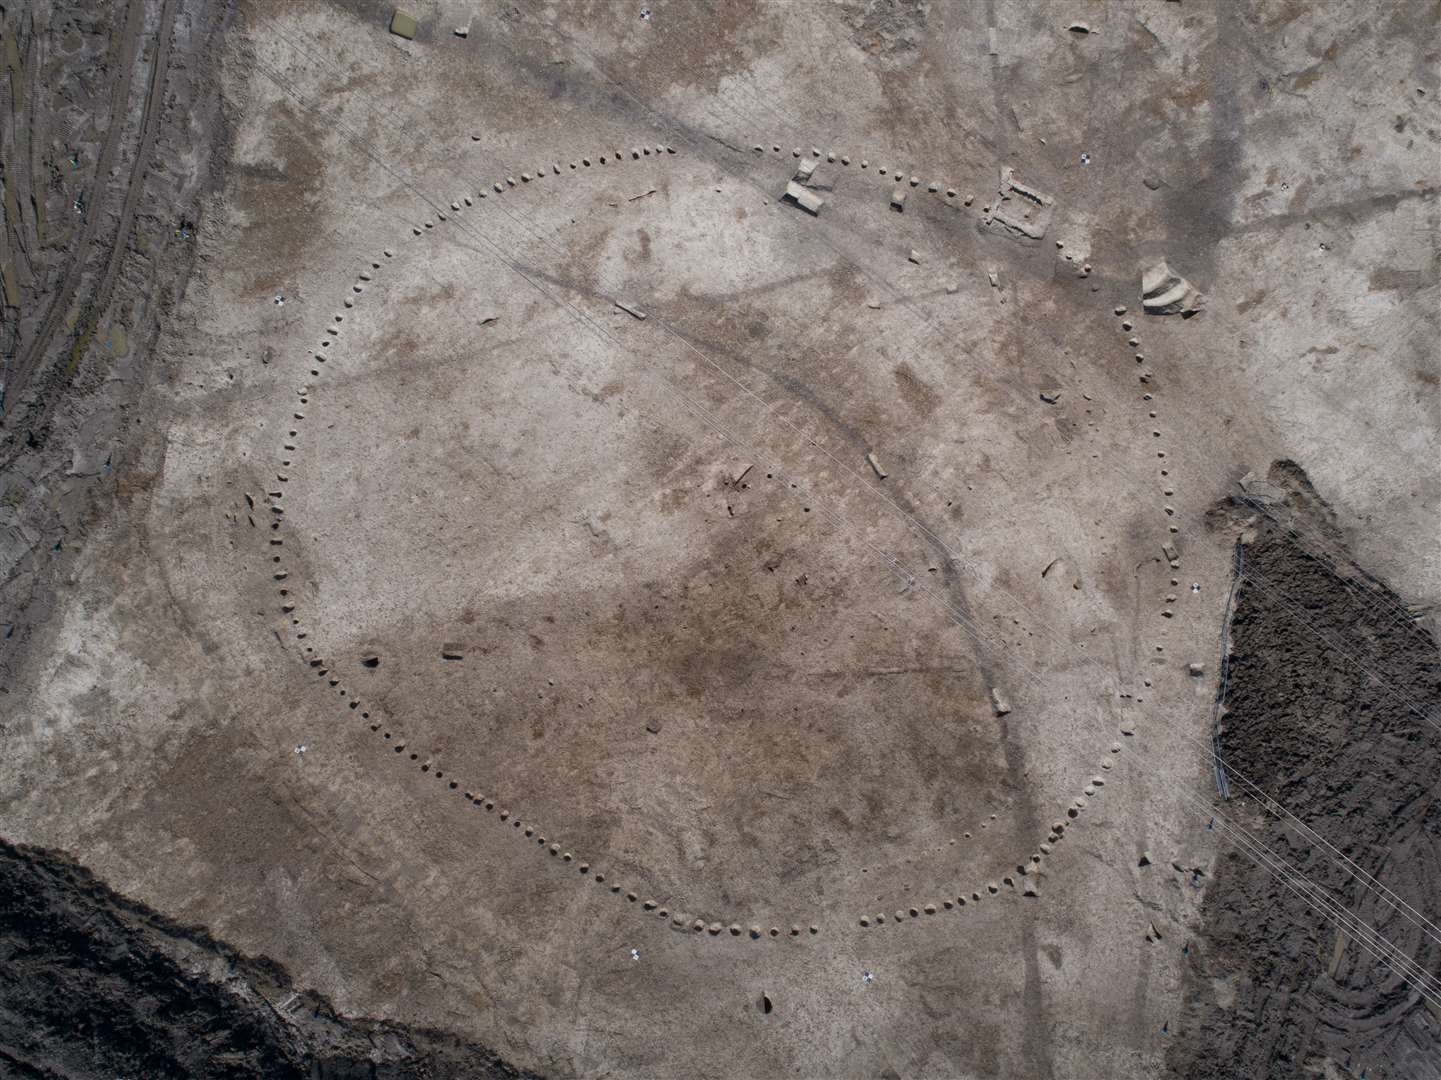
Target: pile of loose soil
x=95 y=985
x=1333 y=706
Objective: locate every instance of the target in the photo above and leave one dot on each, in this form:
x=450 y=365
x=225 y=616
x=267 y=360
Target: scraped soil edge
x=93 y=984
x=1334 y=698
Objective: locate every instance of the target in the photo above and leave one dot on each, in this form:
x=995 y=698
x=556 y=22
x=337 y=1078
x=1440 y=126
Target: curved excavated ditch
x=1332 y=710
x=95 y=985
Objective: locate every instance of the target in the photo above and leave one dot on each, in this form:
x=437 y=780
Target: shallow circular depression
x=586 y=608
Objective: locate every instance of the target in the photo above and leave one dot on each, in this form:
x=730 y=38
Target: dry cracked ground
x=730 y=539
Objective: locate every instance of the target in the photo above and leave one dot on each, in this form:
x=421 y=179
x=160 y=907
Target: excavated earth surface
x=1333 y=709
x=93 y=984
x=469 y=544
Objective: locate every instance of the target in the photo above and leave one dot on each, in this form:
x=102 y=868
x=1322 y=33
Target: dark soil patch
x=1334 y=697
x=95 y=985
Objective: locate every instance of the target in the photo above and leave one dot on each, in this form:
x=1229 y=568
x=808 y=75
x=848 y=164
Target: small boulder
x=403 y=24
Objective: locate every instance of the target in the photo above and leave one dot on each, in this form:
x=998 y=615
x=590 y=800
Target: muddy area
x=93 y=984
x=466 y=534
x=1335 y=687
